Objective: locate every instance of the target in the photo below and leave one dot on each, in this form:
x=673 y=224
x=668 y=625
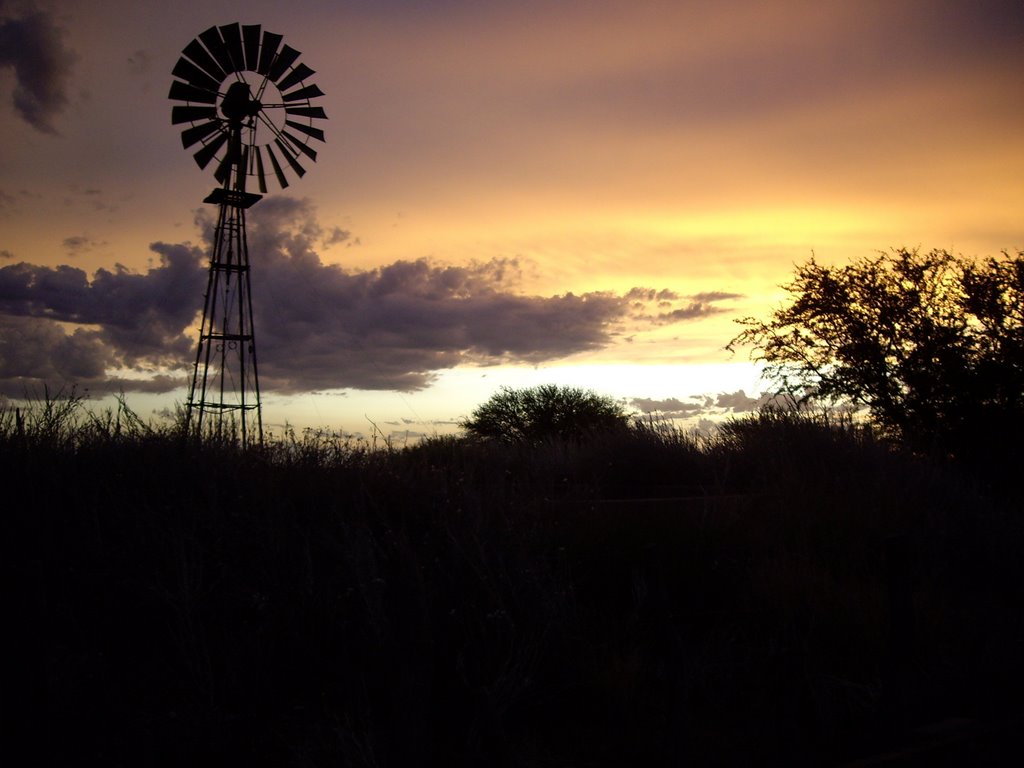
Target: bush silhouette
x=932 y=344
x=544 y=412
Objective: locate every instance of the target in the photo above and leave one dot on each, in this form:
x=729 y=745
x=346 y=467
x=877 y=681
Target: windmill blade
x=204 y=60
x=184 y=92
x=243 y=167
x=306 y=112
x=300 y=145
x=284 y=59
x=199 y=132
x=309 y=130
x=277 y=168
x=268 y=51
x=207 y=153
x=297 y=75
x=223 y=172
x=232 y=34
x=285 y=145
x=251 y=45
x=192 y=114
x=309 y=92
x=290 y=158
x=215 y=45
x=186 y=70
x=261 y=176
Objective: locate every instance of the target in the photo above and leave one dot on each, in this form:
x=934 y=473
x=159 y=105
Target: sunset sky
x=510 y=193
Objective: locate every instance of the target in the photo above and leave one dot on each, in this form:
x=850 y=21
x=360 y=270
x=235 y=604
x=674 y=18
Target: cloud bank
x=318 y=326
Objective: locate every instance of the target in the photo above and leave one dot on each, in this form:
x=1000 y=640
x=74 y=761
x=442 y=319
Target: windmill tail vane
x=249 y=109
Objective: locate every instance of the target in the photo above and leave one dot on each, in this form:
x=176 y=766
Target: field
x=792 y=590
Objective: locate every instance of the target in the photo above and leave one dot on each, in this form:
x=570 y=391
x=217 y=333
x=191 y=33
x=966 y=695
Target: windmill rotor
x=240 y=81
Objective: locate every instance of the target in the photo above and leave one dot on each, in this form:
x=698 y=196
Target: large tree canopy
x=932 y=344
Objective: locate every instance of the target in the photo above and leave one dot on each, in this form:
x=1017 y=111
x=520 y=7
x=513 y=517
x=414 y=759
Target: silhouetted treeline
x=791 y=590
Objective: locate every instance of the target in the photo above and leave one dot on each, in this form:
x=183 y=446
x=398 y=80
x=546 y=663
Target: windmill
x=248 y=105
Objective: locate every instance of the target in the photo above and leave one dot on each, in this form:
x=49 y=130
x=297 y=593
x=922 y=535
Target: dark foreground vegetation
x=790 y=591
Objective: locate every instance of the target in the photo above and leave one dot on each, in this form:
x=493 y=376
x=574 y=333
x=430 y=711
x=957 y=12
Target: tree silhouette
x=932 y=344
x=546 y=411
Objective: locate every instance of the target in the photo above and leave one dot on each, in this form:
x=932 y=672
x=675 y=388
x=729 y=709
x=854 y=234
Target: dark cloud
x=127 y=319
x=718 y=405
x=140 y=62
x=33 y=46
x=5 y=254
x=710 y=296
x=691 y=311
x=338 y=235
x=652 y=294
x=94 y=198
x=692 y=307
x=35 y=352
x=739 y=402
x=77 y=244
x=319 y=326
x=672 y=408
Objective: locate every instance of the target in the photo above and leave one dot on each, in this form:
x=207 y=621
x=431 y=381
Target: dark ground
x=791 y=593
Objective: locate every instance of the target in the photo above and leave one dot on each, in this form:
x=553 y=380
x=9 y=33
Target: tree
x=932 y=344
x=546 y=411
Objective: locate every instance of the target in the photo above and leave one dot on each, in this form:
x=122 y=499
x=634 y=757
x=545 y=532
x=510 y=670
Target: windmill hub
x=238 y=103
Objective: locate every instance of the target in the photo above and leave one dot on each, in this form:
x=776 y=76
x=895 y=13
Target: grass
x=790 y=590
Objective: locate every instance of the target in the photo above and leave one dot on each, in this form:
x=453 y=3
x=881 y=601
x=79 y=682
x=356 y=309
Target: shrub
x=544 y=412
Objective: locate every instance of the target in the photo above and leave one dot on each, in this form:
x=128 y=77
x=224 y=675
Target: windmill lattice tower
x=244 y=96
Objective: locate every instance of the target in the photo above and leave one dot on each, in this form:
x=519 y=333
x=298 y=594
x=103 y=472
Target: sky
x=510 y=193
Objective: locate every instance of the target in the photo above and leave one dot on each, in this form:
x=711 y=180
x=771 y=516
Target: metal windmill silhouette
x=248 y=105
